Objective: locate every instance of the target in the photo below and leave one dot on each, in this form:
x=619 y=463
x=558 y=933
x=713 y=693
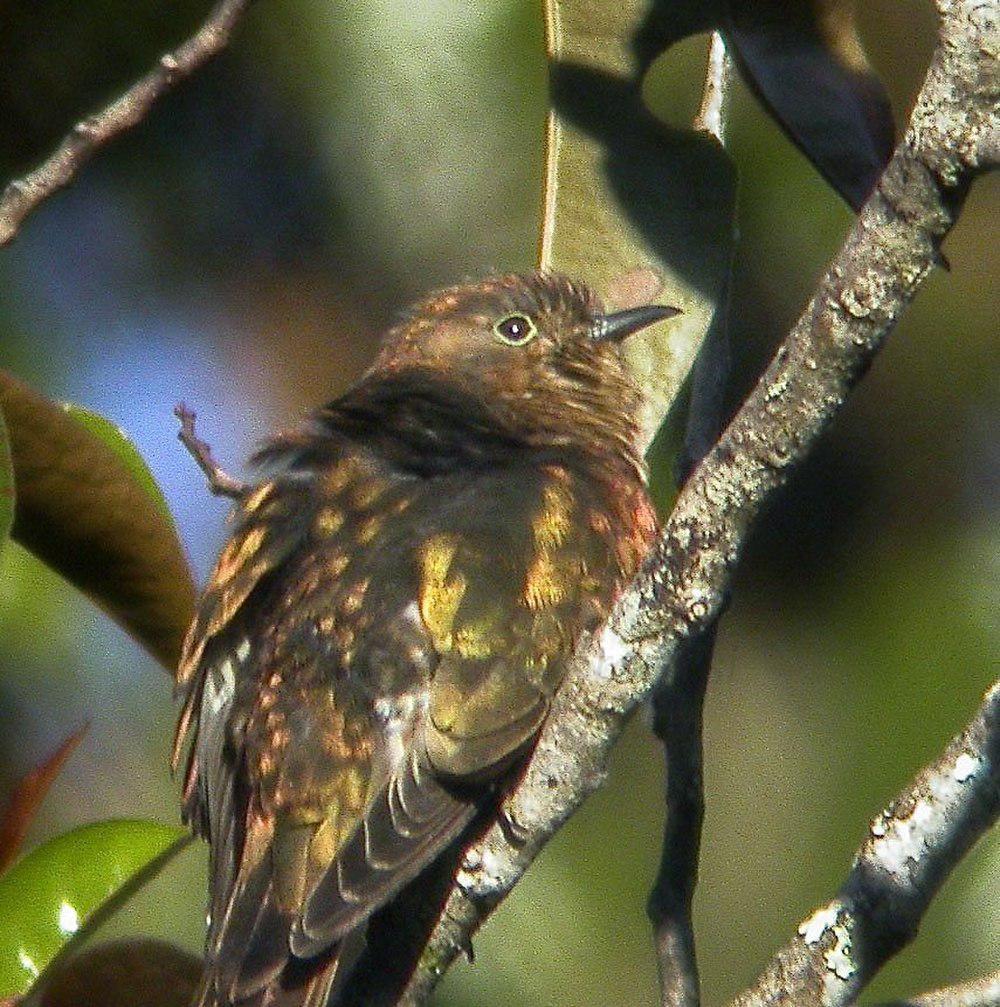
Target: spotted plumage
x=383 y=634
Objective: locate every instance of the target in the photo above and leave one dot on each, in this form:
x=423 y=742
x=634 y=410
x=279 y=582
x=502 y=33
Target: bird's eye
x=515 y=329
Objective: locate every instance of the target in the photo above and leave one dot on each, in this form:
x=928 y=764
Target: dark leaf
x=116 y=439
x=28 y=795
x=139 y=972
x=88 y=507
x=806 y=63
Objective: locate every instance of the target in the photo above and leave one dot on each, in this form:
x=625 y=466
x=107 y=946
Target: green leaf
x=47 y=897
x=88 y=507
x=623 y=190
x=6 y=484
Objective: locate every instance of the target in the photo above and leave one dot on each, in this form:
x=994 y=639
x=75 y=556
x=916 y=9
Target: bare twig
x=984 y=992
x=891 y=249
x=678 y=702
x=911 y=848
x=711 y=115
x=219 y=482
x=24 y=195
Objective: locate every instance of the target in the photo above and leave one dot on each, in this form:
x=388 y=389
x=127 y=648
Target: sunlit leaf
x=6 y=484
x=806 y=62
x=28 y=795
x=138 y=972
x=624 y=190
x=48 y=896
x=87 y=506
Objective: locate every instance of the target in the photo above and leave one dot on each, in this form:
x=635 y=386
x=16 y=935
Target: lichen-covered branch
x=24 y=195
x=983 y=992
x=911 y=848
x=952 y=136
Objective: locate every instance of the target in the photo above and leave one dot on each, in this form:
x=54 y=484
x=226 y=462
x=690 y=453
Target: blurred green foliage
x=242 y=249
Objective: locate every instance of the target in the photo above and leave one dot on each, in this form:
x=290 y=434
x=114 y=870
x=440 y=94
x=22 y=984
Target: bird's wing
x=292 y=745
x=505 y=625
x=509 y=572
x=269 y=526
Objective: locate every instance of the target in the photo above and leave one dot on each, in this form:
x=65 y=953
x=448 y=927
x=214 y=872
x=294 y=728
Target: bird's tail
x=316 y=983
x=315 y=990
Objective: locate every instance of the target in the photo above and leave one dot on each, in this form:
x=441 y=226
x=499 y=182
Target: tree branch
x=891 y=249
x=911 y=848
x=24 y=195
x=984 y=992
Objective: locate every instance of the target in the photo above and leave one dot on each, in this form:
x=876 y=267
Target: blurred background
x=241 y=252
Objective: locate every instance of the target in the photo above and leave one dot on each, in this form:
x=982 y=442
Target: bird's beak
x=620 y=324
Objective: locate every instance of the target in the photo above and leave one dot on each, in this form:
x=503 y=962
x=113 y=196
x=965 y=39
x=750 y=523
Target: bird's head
x=537 y=352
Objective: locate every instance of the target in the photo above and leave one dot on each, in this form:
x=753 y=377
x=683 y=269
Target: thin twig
x=984 y=992
x=890 y=251
x=911 y=848
x=711 y=115
x=678 y=704
x=219 y=482
x=678 y=700
x=24 y=195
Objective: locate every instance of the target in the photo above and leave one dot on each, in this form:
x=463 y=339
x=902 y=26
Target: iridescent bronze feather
x=382 y=636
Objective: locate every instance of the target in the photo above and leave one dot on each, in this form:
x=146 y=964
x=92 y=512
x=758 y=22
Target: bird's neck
x=422 y=426
x=430 y=427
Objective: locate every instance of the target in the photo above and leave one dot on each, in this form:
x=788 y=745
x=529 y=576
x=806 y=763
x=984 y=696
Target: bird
x=382 y=636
